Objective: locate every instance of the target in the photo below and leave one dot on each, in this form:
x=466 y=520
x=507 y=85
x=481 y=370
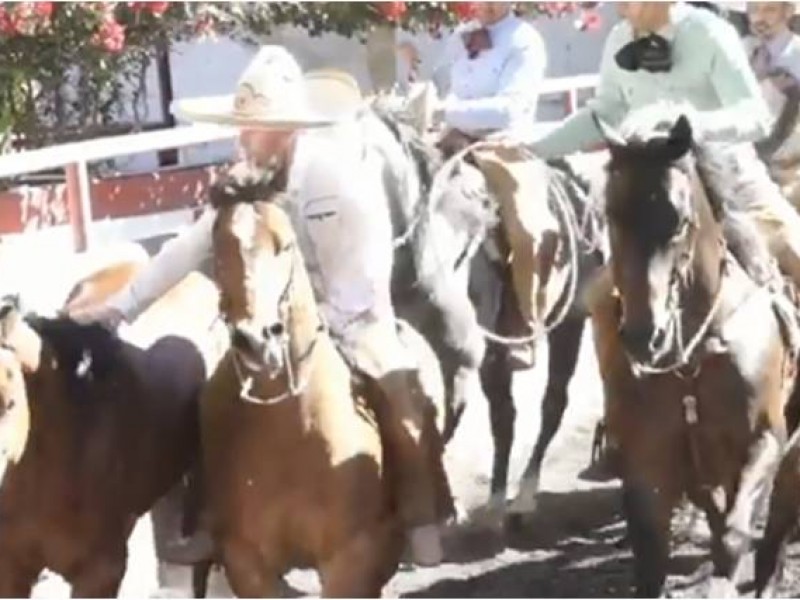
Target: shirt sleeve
x=179 y=257
x=790 y=59
x=579 y=132
x=744 y=116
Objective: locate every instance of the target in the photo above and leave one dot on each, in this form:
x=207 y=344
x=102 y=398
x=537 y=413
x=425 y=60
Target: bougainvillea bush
x=69 y=69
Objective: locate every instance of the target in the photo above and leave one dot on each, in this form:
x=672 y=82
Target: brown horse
x=695 y=394
x=94 y=430
x=294 y=465
x=558 y=244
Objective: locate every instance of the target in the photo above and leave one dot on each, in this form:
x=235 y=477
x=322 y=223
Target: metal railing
x=74 y=157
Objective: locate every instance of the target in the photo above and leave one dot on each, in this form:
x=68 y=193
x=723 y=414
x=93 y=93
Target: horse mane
x=651 y=122
x=82 y=351
x=647 y=129
x=245 y=183
x=425 y=161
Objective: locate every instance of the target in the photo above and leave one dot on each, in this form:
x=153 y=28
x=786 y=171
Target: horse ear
x=610 y=135
x=680 y=137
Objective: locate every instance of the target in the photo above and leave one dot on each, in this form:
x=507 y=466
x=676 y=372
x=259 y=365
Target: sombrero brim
x=219 y=111
x=331 y=94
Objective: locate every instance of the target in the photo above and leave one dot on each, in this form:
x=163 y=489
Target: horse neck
x=705 y=277
x=304 y=316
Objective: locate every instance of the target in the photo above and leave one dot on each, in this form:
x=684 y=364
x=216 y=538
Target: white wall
x=212 y=67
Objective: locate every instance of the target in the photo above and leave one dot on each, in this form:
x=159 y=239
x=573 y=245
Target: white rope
x=686 y=351
x=562 y=203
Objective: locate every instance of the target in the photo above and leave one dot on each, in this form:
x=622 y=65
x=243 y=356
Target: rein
x=685 y=350
x=295 y=387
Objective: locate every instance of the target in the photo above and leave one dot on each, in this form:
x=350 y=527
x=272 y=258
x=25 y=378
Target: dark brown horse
x=695 y=393
x=293 y=460
x=94 y=432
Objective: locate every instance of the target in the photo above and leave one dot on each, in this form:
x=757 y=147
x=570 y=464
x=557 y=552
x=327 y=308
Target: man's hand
x=506 y=148
x=102 y=314
x=784 y=81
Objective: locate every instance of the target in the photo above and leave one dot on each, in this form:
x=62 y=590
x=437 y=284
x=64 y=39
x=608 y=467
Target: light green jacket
x=710 y=71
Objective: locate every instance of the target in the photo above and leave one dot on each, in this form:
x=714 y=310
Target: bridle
x=296 y=382
x=680 y=276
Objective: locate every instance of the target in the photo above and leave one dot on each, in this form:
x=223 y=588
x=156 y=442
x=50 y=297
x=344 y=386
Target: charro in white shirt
x=335 y=196
x=498 y=89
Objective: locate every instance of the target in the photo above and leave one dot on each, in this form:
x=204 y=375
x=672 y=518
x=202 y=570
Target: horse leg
x=648 y=512
x=362 y=567
x=565 y=344
x=200 y=574
x=102 y=576
x=784 y=510
x=732 y=540
x=248 y=574
x=496 y=379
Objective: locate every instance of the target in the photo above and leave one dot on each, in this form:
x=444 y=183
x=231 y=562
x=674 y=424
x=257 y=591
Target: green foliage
x=71 y=69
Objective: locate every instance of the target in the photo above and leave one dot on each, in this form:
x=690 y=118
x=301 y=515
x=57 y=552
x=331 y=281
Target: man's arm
x=179 y=257
x=516 y=95
x=744 y=116
x=579 y=132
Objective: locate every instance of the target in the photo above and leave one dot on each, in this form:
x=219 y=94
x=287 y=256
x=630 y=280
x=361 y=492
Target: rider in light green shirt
x=710 y=73
x=706 y=74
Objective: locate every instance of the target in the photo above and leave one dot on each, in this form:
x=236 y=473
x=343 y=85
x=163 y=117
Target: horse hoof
x=491 y=515
x=719 y=587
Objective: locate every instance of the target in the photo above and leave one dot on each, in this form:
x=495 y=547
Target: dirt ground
x=570 y=548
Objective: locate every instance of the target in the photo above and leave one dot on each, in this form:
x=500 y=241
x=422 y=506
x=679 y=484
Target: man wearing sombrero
x=306 y=127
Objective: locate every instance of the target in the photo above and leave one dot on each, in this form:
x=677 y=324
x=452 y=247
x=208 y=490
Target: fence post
x=79 y=203
x=571 y=101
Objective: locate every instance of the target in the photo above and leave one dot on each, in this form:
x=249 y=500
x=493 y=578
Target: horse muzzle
x=260 y=351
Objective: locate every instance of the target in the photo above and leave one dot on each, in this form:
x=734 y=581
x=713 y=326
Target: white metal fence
x=75 y=157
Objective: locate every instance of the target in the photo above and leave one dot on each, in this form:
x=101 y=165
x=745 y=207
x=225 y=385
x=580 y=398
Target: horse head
x=662 y=230
x=254 y=265
x=20 y=348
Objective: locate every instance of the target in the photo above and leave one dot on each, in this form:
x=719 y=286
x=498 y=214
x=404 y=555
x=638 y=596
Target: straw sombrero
x=273 y=93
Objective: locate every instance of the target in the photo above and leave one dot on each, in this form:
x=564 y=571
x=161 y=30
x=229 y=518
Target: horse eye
x=275 y=330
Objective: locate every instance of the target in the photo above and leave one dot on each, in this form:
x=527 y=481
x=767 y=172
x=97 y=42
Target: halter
x=295 y=386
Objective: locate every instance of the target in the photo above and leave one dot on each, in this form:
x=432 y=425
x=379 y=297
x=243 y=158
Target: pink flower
x=392 y=11
x=43 y=10
x=463 y=10
x=156 y=8
x=589 y=20
x=110 y=36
